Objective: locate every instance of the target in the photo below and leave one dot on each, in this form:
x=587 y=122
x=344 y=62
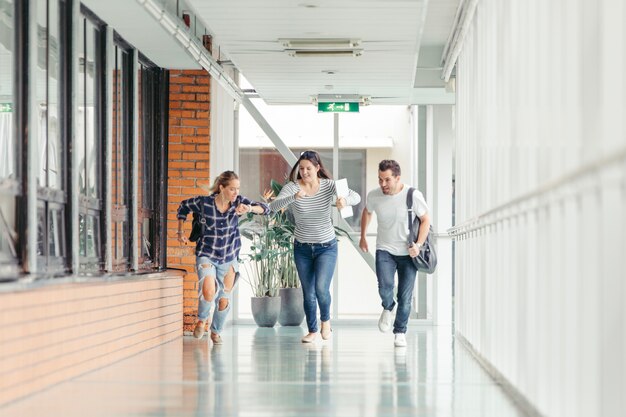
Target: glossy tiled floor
x=268 y=372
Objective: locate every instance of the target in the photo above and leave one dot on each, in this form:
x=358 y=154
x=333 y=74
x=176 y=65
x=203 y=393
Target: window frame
x=92 y=207
x=11 y=188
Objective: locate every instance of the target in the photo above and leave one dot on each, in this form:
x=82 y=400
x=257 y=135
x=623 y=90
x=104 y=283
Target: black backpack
x=197 y=225
x=426 y=261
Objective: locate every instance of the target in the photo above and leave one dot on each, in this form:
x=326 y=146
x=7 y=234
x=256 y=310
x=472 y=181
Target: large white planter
x=291 y=307
x=265 y=310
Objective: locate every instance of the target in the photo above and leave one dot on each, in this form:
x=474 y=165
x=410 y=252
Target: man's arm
x=423 y=231
x=366 y=216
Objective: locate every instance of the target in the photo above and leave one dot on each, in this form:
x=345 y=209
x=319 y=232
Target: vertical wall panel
x=540 y=186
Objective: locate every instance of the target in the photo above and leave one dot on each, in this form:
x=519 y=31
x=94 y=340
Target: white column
x=441 y=211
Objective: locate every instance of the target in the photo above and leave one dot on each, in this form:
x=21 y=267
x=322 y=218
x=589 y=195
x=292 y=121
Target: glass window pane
x=41 y=91
x=80 y=100
x=93 y=236
x=41 y=224
x=56 y=233
x=55 y=144
x=8 y=155
x=92 y=158
x=82 y=235
x=145 y=239
x=8 y=247
x=118 y=132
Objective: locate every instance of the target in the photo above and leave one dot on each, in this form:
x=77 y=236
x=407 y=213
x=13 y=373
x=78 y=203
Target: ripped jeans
x=209 y=270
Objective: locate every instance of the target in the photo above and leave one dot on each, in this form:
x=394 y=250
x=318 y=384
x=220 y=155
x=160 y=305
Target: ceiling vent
x=321 y=47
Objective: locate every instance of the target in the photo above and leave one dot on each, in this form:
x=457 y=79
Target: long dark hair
x=223 y=179
x=315 y=159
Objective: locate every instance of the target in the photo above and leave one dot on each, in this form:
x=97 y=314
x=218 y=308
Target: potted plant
x=291 y=299
x=262 y=266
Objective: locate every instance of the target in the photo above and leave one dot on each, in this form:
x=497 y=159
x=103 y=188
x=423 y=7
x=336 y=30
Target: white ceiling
x=140 y=29
x=394 y=34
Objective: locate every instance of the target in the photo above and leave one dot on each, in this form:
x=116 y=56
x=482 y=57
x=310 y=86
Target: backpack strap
x=409 y=206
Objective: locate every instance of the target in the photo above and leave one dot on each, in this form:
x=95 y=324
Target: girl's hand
x=341 y=203
x=181 y=237
x=243 y=209
x=301 y=193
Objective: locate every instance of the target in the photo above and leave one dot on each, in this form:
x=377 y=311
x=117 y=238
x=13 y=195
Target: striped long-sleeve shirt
x=220 y=241
x=312 y=213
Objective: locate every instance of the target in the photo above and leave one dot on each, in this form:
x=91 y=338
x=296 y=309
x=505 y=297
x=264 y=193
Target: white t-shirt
x=391 y=213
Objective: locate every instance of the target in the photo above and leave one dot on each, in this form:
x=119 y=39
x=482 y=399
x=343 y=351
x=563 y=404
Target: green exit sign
x=6 y=107
x=337 y=107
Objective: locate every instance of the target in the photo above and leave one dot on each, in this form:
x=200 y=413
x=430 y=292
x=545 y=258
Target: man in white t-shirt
x=393 y=252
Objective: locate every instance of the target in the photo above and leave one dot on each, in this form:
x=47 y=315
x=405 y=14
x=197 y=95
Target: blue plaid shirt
x=220 y=241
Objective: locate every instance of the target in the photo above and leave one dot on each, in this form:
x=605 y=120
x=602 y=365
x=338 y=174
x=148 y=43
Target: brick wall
x=51 y=333
x=188 y=169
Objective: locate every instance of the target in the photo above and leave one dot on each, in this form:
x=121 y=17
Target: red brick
x=194 y=122
x=182 y=80
x=182 y=130
x=182 y=165
x=195 y=89
x=178 y=182
x=195 y=174
x=194 y=156
x=198 y=73
x=195 y=105
x=183 y=97
x=176 y=148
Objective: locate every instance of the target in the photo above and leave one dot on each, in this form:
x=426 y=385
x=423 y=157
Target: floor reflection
x=269 y=372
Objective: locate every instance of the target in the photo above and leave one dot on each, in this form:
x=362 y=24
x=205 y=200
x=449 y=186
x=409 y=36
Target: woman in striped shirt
x=310 y=194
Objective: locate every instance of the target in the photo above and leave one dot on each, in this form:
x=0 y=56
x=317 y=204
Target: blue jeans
x=315 y=263
x=386 y=267
x=216 y=272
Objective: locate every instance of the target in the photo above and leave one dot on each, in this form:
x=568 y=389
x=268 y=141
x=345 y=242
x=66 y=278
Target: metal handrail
x=500 y=213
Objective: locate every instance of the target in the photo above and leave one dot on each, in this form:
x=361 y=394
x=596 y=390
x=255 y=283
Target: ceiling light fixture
x=344 y=98
x=317 y=47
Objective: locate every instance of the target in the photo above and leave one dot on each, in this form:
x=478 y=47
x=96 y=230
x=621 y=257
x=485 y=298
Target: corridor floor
x=269 y=372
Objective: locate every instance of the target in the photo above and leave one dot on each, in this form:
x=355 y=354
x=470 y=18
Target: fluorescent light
x=315 y=47
x=331 y=53
x=320 y=44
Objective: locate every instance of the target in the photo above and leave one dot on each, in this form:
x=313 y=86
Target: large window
x=72 y=160
x=89 y=143
x=149 y=135
x=9 y=185
x=121 y=154
x=51 y=192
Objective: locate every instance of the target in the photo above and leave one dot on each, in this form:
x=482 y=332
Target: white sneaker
x=385 y=321
x=400 y=340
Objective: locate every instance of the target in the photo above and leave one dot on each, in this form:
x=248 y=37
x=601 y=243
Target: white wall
x=540 y=294
x=222 y=146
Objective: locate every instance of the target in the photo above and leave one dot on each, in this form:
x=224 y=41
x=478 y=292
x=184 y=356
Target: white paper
x=342 y=191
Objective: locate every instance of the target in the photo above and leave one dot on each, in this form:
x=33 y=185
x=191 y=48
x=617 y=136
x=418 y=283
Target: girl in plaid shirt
x=217 y=250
